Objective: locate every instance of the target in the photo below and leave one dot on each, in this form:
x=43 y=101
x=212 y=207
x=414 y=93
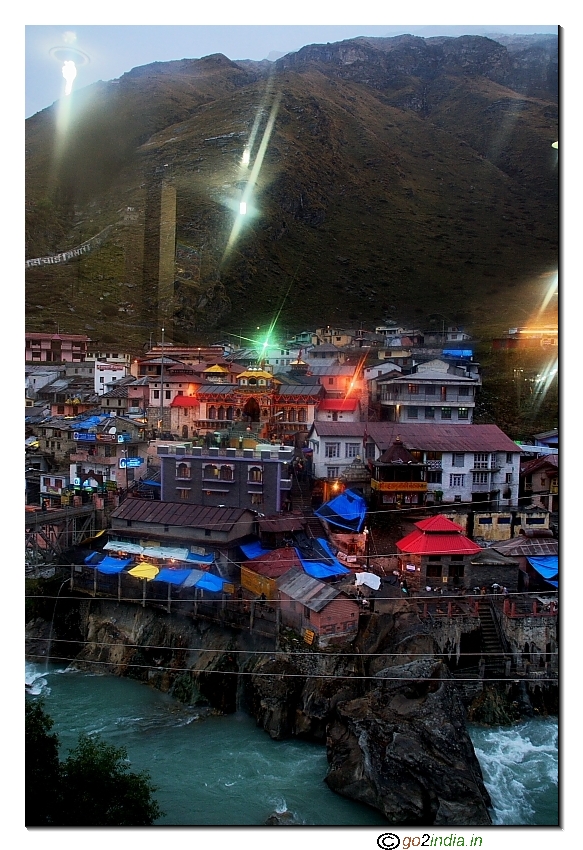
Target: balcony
x=425 y=400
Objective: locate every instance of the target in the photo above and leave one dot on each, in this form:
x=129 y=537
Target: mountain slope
x=402 y=176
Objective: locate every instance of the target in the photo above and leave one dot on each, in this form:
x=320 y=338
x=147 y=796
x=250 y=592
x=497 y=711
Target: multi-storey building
x=55 y=347
x=258 y=479
x=464 y=463
x=435 y=392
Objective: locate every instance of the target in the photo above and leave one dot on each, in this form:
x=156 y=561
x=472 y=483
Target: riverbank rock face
x=403 y=749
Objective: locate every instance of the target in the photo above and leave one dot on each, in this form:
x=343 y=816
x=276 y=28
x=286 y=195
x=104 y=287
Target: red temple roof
x=437 y=535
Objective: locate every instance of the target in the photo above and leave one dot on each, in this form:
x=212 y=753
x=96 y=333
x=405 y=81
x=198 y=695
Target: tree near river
x=93 y=786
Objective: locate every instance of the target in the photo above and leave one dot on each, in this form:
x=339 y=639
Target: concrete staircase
x=492 y=647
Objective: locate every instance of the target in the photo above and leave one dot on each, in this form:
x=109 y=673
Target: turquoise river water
x=225 y=771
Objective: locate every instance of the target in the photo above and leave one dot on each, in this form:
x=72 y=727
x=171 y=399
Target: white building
x=465 y=463
x=436 y=392
x=107 y=374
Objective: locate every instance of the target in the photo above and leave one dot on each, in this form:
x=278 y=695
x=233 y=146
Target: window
x=503 y=520
x=183 y=470
x=353 y=449
x=330 y=380
x=479 y=477
x=485 y=520
x=333 y=471
x=457 y=498
x=481 y=460
x=456 y=570
x=306 y=612
x=60 y=408
x=256 y=498
x=207 y=532
x=412 y=413
x=183 y=494
x=210 y=471
x=535 y=520
x=156 y=394
x=508 y=478
x=458 y=459
x=434 y=477
x=430 y=413
x=464 y=391
x=446 y=412
x=430 y=389
x=456 y=480
x=255 y=474
x=433 y=571
x=227 y=473
x=331 y=449
x=413 y=389
x=463 y=413
x=509 y=457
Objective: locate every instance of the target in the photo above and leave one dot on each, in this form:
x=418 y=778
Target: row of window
x=430 y=389
x=214 y=472
x=481 y=460
x=429 y=412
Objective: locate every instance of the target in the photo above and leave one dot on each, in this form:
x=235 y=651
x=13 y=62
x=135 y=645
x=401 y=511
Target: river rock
x=403 y=749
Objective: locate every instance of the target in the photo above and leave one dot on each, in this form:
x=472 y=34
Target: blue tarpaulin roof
x=200 y=559
x=172 y=576
x=151 y=483
x=328 y=566
x=546 y=566
x=253 y=550
x=210 y=582
x=93 y=559
x=110 y=565
x=347 y=510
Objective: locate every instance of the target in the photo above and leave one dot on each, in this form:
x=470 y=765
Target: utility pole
x=162 y=386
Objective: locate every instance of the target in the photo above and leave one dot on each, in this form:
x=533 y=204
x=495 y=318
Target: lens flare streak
x=245 y=202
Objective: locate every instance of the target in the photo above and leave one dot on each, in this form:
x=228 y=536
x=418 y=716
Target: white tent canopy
x=370 y=579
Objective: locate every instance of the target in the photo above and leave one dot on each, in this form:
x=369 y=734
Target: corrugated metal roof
x=178 y=514
x=299 y=390
x=281 y=523
x=527 y=546
x=458 y=438
x=275 y=563
x=312 y=593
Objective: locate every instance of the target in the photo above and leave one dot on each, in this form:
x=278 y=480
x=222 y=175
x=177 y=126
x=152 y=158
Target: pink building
x=309 y=605
x=55 y=348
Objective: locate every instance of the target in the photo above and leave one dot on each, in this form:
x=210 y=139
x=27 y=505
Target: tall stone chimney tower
x=159 y=252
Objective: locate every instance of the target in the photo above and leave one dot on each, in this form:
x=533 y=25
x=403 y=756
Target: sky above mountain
x=105 y=52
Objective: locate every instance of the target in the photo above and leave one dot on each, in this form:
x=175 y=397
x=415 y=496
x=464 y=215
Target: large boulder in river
x=403 y=748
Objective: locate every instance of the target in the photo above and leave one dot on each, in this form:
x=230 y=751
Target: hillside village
x=341 y=466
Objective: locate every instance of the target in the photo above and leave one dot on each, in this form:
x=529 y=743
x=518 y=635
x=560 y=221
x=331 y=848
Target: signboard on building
x=130 y=462
x=123 y=438
x=82 y=437
x=106 y=438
